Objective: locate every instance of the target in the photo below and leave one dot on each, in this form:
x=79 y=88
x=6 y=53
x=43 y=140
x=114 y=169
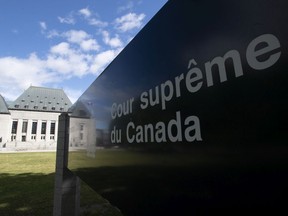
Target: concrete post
x=67 y=185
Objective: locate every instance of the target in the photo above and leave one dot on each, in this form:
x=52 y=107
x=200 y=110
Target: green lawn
x=27 y=184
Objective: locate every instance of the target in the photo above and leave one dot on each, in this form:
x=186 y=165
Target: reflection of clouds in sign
x=99 y=98
x=101 y=124
x=106 y=91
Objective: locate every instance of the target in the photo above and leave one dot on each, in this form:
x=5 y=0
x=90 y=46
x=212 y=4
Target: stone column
x=29 y=130
x=38 y=132
x=48 y=126
x=19 y=130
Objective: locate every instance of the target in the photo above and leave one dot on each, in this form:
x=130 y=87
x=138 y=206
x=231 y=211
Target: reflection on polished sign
x=191 y=82
x=192 y=114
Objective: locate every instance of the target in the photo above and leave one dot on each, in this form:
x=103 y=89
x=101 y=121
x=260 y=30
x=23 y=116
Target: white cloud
x=126 y=7
x=17 y=74
x=61 y=49
x=43 y=25
x=129 y=21
x=67 y=61
x=97 y=23
x=83 y=39
x=101 y=60
x=14 y=69
x=113 y=42
x=129 y=6
x=85 y=12
x=92 y=21
x=52 y=33
x=63 y=61
x=76 y=55
x=69 y=19
x=89 y=44
x=76 y=36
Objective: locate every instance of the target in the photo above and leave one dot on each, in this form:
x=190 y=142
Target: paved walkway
x=24 y=151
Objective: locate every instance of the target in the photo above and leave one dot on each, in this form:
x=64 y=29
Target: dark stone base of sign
x=67 y=185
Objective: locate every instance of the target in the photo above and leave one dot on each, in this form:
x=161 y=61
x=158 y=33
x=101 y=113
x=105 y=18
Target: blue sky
x=65 y=43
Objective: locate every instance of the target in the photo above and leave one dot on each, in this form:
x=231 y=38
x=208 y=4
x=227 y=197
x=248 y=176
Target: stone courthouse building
x=31 y=121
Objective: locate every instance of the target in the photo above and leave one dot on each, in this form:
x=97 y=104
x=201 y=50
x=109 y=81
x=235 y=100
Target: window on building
x=24 y=126
x=52 y=128
x=23 y=138
x=34 y=128
x=81 y=127
x=14 y=127
x=13 y=137
x=0 y=139
x=33 y=137
x=43 y=128
x=81 y=136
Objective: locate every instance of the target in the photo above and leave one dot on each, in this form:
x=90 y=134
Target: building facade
x=31 y=121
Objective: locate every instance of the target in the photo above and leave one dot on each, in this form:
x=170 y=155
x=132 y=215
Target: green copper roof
x=42 y=99
x=3 y=106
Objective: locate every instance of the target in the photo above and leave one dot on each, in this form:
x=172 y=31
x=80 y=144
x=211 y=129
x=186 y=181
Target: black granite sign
x=192 y=114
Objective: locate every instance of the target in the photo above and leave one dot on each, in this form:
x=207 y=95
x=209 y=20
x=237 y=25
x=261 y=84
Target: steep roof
x=79 y=109
x=3 y=106
x=42 y=99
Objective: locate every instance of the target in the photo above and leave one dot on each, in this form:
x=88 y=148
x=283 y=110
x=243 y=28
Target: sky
x=65 y=44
